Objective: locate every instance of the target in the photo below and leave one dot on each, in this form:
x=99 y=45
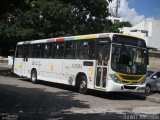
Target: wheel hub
x=83 y=84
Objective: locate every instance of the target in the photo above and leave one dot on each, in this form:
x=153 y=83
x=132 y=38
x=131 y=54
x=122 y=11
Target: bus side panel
x=33 y=64
x=63 y=70
x=72 y=67
x=51 y=70
x=18 y=66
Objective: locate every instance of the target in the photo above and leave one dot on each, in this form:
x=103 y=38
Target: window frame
x=81 y=50
x=17 y=51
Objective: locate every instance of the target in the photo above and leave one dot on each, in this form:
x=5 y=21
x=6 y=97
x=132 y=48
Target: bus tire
x=34 y=76
x=83 y=84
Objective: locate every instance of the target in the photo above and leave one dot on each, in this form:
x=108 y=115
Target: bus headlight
x=115 y=78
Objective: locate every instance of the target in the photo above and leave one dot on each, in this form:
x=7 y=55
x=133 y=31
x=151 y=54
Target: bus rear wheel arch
x=34 y=76
x=81 y=83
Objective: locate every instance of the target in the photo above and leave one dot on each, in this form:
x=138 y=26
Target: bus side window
x=76 y=49
x=69 y=50
x=59 y=50
x=36 y=50
x=19 y=52
x=86 y=49
x=54 y=47
x=91 y=49
x=46 y=50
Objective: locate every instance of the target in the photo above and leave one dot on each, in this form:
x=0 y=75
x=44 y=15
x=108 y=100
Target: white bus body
x=98 y=74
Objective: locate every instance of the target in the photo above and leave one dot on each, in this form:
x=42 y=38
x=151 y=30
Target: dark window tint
x=103 y=54
x=19 y=52
x=86 y=49
x=157 y=74
x=70 y=50
x=149 y=73
x=57 y=50
x=121 y=39
x=36 y=50
x=26 y=48
x=54 y=47
x=46 y=50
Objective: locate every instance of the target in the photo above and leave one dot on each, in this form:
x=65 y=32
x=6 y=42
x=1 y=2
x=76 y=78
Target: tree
x=11 y=29
x=22 y=20
x=90 y=15
x=114 y=27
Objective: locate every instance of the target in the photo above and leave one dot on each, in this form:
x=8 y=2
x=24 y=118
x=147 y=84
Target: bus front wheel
x=34 y=76
x=83 y=85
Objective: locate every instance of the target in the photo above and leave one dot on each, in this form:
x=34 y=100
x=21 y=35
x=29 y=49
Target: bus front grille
x=130 y=79
x=129 y=87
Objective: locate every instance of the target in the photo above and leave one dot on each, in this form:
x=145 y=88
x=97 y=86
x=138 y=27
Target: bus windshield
x=129 y=59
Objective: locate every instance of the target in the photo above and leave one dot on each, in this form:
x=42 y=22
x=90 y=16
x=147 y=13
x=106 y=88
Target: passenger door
x=103 y=48
x=25 y=59
x=18 y=60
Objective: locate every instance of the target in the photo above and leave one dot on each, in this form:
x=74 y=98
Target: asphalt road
x=22 y=100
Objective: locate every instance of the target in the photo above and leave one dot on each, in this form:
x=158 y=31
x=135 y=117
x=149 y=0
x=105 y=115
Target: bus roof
x=78 y=37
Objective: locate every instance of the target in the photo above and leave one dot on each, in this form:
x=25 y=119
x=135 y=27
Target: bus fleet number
x=77 y=66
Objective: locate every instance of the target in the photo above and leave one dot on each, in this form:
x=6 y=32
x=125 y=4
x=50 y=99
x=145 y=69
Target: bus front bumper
x=118 y=87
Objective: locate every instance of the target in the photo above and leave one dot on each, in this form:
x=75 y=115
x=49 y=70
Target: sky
x=136 y=11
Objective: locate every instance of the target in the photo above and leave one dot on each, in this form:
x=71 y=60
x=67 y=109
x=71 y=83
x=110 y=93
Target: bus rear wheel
x=34 y=76
x=83 y=85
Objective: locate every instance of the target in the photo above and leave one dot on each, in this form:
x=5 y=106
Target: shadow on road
x=7 y=73
x=36 y=103
x=39 y=104
x=100 y=94
x=120 y=95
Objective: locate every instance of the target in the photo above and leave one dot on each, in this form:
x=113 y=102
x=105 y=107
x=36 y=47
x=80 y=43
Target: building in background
x=114 y=17
x=149 y=30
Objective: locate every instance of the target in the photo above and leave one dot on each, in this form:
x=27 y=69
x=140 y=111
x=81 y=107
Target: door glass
x=19 y=52
x=103 y=57
x=26 y=52
x=98 y=79
x=103 y=54
x=104 y=77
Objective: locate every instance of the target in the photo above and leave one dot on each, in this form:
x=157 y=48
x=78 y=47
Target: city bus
x=107 y=62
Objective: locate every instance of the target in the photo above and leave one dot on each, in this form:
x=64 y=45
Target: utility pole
x=117 y=6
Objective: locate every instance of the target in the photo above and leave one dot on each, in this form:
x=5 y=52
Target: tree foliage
x=22 y=20
x=114 y=27
x=89 y=15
